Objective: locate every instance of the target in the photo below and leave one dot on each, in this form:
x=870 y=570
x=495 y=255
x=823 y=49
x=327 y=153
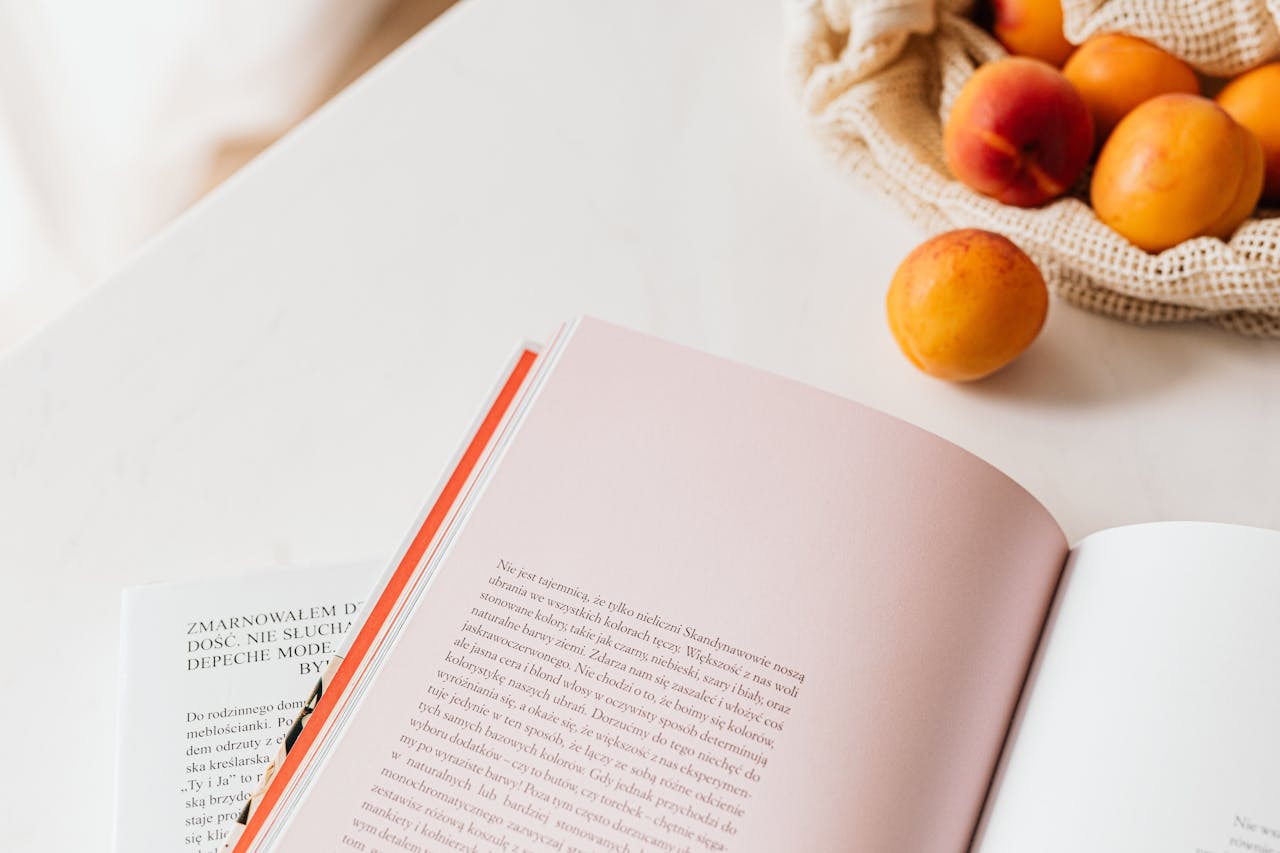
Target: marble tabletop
x=280 y=376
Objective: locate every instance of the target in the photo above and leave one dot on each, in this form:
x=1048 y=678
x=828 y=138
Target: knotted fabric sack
x=877 y=78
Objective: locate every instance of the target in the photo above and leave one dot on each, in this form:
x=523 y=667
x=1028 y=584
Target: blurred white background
x=115 y=117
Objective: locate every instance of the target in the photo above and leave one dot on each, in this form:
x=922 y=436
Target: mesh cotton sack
x=878 y=77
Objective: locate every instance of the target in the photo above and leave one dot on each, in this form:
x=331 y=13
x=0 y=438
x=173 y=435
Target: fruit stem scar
x=1043 y=181
x=999 y=143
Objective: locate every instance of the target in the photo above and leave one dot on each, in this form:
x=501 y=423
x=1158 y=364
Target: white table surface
x=279 y=378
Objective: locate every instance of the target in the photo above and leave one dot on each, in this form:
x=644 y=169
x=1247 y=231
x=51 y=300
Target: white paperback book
x=212 y=675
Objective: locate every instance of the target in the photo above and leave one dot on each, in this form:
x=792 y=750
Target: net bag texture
x=876 y=80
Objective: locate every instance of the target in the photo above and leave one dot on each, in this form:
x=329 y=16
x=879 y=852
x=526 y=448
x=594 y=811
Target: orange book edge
x=335 y=693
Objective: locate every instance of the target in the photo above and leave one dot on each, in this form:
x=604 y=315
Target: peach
x=1032 y=28
x=1253 y=99
x=1018 y=132
x=1177 y=167
x=966 y=303
x=1115 y=73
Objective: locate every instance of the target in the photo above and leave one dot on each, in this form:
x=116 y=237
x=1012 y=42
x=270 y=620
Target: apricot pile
x=1171 y=164
x=1168 y=165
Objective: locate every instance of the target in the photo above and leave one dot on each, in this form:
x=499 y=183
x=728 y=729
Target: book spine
x=495 y=407
x=290 y=738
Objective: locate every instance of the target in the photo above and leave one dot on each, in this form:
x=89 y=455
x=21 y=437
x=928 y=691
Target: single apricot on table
x=1032 y=28
x=1018 y=132
x=965 y=303
x=1115 y=73
x=1253 y=99
x=1177 y=167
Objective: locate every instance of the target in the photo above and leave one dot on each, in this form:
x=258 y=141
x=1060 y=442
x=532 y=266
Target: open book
x=669 y=603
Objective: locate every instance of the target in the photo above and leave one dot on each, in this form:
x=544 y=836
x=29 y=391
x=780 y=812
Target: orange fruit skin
x=1176 y=167
x=1115 y=73
x=1253 y=99
x=965 y=303
x=1032 y=28
x=1250 y=190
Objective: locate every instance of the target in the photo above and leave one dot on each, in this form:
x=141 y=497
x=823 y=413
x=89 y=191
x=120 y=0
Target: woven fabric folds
x=876 y=79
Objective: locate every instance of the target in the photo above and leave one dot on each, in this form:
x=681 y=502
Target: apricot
x=1177 y=167
x=1251 y=184
x=1018 y=132
x=1032 y=28
x=1115 y=73
x=965 y=303
x=1253 y=99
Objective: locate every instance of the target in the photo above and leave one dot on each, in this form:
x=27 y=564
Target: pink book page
x=700 y=607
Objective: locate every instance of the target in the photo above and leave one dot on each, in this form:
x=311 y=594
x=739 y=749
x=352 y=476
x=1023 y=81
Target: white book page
x=1152 y=720
x=213 y=674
